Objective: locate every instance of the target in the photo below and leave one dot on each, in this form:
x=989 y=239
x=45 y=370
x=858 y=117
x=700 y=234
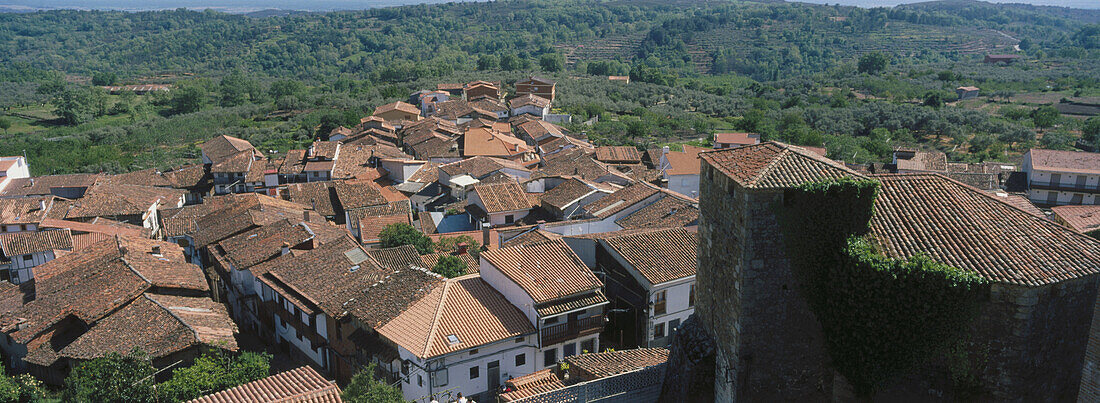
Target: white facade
x=21 y=267
x=469 y=371
x=17 y=170
x=687 y=185
x=401 y=170
x=678 y=306
x=530 y=109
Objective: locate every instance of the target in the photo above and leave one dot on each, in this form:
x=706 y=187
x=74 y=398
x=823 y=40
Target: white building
x=680 y=170
x=498 y=203
x=20 y=252
x=13 y=168
x=463 y=337
x=555 y=291
x=650 y=275
x=1062 y=177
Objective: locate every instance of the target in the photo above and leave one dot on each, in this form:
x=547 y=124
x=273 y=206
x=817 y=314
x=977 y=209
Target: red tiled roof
x=659 y=255
x=618 y=154
x=532 y=384
x=545 y=271
x=621 y=199
x=586 y=367
x=683 y=162
x=529 y=99
x=301 y=385
x=1081 y=218
x=964 y=227
x=669 y=211
x=25 y=243
x=774 y=165
x=466 y=309
x=371 y=226
x=221 y=147
x=1065 y=161
x=397 y=106
x=501 y=197
x=736 y=138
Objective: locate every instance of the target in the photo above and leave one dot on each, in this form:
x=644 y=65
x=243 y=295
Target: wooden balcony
x=572 y=329
x=1064 y=187
x=302 y=328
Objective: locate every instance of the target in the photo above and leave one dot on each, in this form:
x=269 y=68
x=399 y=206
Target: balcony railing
x=1065 y=187
x=572 y=329
x=303 y=329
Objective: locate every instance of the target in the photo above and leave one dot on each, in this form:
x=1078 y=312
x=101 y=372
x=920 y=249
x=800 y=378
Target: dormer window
x=453 y=339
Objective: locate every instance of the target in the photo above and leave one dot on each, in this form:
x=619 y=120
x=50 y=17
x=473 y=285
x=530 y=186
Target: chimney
x=286 y=248
x=485 y=236
x=156 y=250
x=664 y=150
x=42 y=204
x=305 y=215
x=461 y=248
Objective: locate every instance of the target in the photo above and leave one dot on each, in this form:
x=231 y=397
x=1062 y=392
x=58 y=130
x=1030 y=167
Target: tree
x=187 y=99
x=1091 y=132
x=1045 y=116
x=450 y=266
x=5 y=124
x=933 y=99
x=237 y=89
x=487 y=62
x=873 y=63
x=552 y=62
x=366 y=387
x=512 y=62
x=450 y=244
x=215 y=372
x=394 y=235
x=286 y=88
x=80 y=105
x=104 y=78
x=22 y=388
x=112 y=378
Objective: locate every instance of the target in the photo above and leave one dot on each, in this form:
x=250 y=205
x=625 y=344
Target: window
x=659 y=331
x=550 y=357
x=475 y=371
x=550 y=321
x=521 y=360
x=519 y=339
x=452 y=339
x=419 y=380
x=473 y=352
x=439 y=378
x=588 y=346
x=691 y=296
x=28 y=258
x=569 y=350
x=508 y=219
x=659 y=303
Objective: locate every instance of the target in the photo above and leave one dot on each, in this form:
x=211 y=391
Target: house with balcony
x=497 y=204
x=556 y=292
x=1056 y=178
x=650 y=278
x=537 y=86
x=240 y=173
x=20 y=252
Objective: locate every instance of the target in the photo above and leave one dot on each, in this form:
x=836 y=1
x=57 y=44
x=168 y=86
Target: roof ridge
x=783 y=152
x=438 y=313
x=194 y=332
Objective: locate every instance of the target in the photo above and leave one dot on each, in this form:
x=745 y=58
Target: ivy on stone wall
x=881 y=317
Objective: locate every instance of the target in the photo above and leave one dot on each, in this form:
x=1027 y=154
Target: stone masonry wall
x=770 y=345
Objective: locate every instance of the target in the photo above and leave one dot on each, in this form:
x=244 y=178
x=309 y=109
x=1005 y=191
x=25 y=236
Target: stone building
x=1032 y=329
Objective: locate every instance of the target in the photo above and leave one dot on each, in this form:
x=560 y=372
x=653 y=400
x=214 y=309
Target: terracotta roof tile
x=396 y=258
x=501 y=197
x=586 y=367
x=529 y=99
x=484 y=142
x=966 y=228
x=774 y=165
x=221 y=147
x=566 y=192
x=112 y=199
x=741 y=139
x=531 y=384
x=28 y=210
x=1065 y=161
x=621 y=199
x=159 y=325
x=546 y=271
x=371 y=226
x=25 y=243
x=1081 y=218
x=472 y=265
x=669 y=211
x=479 y=167
x=397 y=106
x=301 y=385
x=464 y=308
x=659 y=255
x=618 y=154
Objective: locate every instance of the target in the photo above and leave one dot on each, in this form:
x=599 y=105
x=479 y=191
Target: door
x=1055 y=179
x=494 y=376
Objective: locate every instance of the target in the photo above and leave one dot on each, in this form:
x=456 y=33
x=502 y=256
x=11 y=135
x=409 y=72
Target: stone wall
x=769 y=343
x=691 y=353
